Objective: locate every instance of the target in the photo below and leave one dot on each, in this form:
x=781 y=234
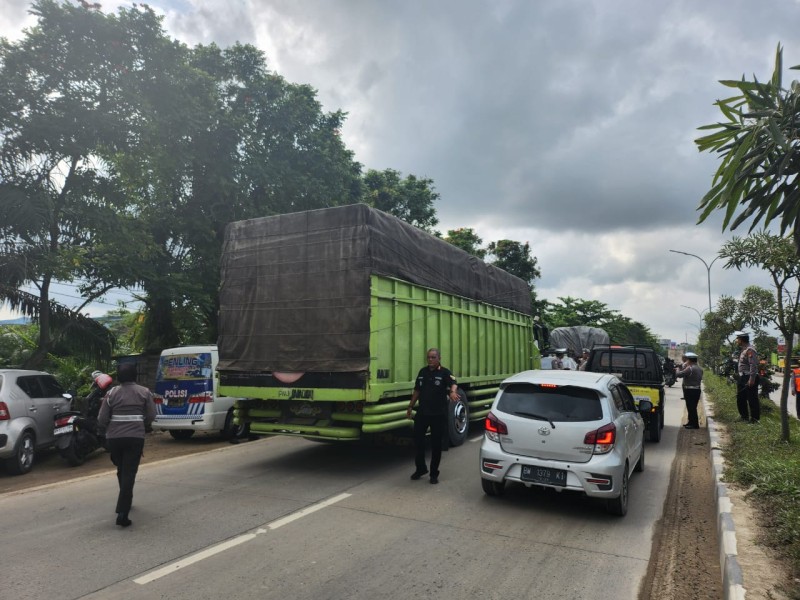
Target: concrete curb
x=732 y=579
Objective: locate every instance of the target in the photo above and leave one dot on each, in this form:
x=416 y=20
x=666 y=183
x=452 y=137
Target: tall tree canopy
x=466 y=239
x=758 y=176
x=410 y=199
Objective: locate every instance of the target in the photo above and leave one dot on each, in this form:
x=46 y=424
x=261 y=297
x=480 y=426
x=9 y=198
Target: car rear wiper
x=533 y=416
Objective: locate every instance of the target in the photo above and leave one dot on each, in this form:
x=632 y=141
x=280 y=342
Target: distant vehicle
x=187 y=394
x=29 y=401
x=640 y=369
x=566 y=430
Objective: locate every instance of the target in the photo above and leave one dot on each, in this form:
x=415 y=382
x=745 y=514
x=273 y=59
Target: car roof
x=588 y=379
x=21 y=372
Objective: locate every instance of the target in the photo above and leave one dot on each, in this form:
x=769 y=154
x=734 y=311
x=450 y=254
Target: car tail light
x=602 y=439
x=4 y=414
x=157 y=399
x=494 y=427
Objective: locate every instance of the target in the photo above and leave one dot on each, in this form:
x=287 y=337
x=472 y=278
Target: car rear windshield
x=561 y=403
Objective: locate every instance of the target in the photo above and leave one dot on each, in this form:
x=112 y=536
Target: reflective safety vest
x=796 y=379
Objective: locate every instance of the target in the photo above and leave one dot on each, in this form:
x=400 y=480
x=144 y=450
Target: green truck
x=326 y=316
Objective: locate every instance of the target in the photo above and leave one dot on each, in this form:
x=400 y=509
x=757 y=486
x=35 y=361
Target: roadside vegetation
x=758 y=460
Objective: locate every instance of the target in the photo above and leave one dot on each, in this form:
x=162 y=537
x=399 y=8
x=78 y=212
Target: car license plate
x=544 y=475
x=63 y=430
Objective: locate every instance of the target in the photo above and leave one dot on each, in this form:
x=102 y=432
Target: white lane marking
x=232 y=543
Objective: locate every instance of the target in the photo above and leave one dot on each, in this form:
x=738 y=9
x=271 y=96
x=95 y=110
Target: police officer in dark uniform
x=433 y=387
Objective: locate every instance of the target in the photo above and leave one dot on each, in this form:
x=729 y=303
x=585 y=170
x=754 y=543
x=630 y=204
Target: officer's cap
x=560 y=350
x=690 y=355
x=742 y=334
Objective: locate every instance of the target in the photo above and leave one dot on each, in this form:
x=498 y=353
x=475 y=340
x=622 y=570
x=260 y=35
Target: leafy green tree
x=245 y=144
x=777 y=256
x=466 y=239
x=758 y=143
x=572 y=312
x=515 y=258
x=410 y=199
x=63 y=109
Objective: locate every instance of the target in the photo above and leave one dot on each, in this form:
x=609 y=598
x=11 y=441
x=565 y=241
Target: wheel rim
x=26 y=452
x=460 y=417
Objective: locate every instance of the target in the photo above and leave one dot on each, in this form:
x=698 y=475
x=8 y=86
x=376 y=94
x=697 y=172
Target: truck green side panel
x=480 y=343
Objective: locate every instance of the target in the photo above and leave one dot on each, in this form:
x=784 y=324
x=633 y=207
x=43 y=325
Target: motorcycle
x=77 y=434
x=669 y=372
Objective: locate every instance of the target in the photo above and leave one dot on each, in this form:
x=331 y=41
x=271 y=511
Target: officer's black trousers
x=692 y=397
x=436 y=423
x=747 y=398
x=126 y=454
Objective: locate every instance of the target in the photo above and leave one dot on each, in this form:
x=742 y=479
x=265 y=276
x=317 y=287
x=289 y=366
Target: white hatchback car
x=566 y=430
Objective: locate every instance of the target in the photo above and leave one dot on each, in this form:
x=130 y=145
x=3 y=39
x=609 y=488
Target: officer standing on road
x=126 y=413
x=692 y=376
x=747 y=388
x=558 y=361
x=433 y=387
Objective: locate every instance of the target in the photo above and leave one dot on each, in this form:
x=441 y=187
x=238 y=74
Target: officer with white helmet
x=747 y=389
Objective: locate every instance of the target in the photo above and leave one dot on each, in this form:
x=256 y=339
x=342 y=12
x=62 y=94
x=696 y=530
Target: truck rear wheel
x=458 y=419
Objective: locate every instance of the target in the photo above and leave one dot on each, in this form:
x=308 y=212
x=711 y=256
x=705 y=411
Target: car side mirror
x=645 y=406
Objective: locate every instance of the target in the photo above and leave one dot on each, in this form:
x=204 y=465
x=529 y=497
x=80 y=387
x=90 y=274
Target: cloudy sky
x=568 y=124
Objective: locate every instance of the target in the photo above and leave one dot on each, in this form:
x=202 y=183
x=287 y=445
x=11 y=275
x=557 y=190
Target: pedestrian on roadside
x=126 y=414
x=692 y=376
x=433 y=387
x=795 y=380
x=747 y=401
x=584 y=360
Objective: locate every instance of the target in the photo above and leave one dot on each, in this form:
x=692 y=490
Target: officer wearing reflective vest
x=796 y=389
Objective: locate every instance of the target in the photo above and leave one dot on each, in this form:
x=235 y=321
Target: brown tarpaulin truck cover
x=295 y=292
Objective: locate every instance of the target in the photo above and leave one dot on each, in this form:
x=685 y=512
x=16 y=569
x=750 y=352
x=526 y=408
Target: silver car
x=566 y=430
x=29 y=401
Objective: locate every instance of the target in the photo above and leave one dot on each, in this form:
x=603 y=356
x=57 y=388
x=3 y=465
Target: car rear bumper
x=600 y=477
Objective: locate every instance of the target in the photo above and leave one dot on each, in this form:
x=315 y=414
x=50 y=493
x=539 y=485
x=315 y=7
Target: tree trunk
x=787 y=370
x=35 y=360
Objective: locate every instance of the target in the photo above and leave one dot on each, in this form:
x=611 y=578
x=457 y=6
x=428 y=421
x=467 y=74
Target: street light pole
x=708 y=271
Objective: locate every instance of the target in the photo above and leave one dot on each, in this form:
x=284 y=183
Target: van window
x=563 y=403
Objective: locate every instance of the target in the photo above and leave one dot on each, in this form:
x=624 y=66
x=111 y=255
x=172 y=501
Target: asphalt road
x=284 y=517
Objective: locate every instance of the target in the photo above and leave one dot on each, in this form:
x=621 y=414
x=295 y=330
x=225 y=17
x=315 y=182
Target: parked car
x=566 y=430
x=29 y=401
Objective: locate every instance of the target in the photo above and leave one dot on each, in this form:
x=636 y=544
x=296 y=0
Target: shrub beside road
x=758 y=461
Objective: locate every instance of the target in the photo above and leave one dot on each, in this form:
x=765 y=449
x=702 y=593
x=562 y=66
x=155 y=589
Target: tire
x=654 y=427
x=24 y=455
x=181 y=434
x=640 y=463
x=231 y=430
x=458 y=419
x=492 y=488
x=73 y=453
x=619 y=505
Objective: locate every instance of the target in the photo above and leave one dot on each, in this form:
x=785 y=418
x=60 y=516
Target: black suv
x=640 y=368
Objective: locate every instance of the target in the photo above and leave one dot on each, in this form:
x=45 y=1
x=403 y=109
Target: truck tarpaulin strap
x=295 y=292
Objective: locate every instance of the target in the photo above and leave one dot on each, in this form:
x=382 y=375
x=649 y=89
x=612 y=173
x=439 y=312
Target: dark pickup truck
x=640 y=369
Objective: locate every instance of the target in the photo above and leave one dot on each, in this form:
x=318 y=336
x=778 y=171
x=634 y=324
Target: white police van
x=186 y=394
